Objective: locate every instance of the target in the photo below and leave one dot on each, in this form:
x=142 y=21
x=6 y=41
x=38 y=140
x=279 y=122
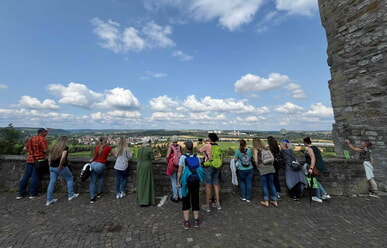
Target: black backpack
x=192 y=163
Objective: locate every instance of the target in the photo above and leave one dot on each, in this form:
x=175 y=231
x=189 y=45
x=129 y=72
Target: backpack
x=192 y=163
x=267 y=157
x=216 y=156
x=85 y=172
x=279 y=161
x=319 y=161
x=245 y=159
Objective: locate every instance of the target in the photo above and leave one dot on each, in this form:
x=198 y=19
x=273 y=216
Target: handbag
x=85 y=172
x=315 y=171
x=295 y=165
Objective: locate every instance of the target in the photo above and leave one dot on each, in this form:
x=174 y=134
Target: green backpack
x=217 y=155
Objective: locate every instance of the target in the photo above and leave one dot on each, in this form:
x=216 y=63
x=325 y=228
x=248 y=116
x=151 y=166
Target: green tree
x=10 y=140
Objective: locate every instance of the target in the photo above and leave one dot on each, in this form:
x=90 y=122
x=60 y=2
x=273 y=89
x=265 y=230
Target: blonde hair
x=102 y=144
x=257 y=144
x=58 y=148
x=121 y=146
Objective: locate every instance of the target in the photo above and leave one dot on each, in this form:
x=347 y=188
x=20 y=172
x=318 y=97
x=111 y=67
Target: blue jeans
x=97 y=171
x=320 y=190
x=267 y=184
x=29 y=172
x=176 y=191
x=65 y=173
x=121 y=179
x=246 y=182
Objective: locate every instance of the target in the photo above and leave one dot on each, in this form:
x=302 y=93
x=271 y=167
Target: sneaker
x=118 y=196
x=197 y=223
x=206 y=208
x=278 y=196
x=33 y=197
x=374 y=194
x=99 y=195
x=218 y=206
x=243 y=199
x=316 y=199
x=174 y=200
x=93 y=200
x=122 y=194
x=48 y=203
x=186 y=225
x=325 y=197
x=75 y=195
x=297 y=200
x=213 y=204
x=19 y=197
x=248 y=201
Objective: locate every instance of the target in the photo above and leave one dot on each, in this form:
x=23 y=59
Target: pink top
x=207 y=151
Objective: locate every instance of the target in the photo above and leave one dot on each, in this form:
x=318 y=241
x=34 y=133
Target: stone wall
x=356 y=31
x=344 y=177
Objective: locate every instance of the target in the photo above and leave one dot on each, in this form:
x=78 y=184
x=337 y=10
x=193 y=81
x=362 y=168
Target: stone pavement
x=338 y=222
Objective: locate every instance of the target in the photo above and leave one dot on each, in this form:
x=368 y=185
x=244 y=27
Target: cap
x=286 y=141
x=188 y=145
x=43 y=129
x=174 y=138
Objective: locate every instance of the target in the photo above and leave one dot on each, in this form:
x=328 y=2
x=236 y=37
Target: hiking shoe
x=316 y=199
x=197 y=223
x=48 y=203
x=206 y=208
x=243 y=199
x=19 y=197
x=75 y=195
x=325 y=197
x=186 y=225
x=217 y=205
x=99 y=195
x=93 y=200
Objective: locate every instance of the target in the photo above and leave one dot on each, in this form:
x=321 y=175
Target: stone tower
x=356 y=31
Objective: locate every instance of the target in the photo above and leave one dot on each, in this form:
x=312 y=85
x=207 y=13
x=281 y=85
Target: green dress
x=145 y=184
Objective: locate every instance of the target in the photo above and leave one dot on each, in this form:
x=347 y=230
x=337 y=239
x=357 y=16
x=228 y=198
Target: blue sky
x=169 y=64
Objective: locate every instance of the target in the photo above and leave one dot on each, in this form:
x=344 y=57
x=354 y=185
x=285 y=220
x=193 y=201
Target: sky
x=164 y=64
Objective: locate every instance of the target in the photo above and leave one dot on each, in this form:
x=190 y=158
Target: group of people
x=187 y=171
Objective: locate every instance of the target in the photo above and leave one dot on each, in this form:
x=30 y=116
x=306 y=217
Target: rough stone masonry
x=356 y=31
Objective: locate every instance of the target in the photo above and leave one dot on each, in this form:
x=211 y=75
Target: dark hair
x=307 y=140
x=367 y=143
x=273 y=145
x=242 y=145
x=213 y=137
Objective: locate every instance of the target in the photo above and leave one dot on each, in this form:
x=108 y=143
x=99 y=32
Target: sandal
x=274 y=203
x=264 y=203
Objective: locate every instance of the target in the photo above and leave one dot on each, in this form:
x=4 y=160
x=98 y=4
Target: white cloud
x=75 y=94
x=33 y=103
x=209 y=104
x=301 y=7
x=119 y=98
x=167 y=116
x=295 y=91
x=289 y=108
x=151 y=74
x=320 y=111
x=182 y=56
x=3 y=87
x=116 y=115
x=151 y=35
x=250 y=83
x=230 y=13
x=163 y=104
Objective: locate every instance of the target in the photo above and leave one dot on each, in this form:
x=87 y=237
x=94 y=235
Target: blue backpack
x=192 y=162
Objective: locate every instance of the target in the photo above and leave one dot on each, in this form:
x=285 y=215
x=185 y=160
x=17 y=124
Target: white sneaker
x=206 y=208
x=75 y=195
x=48 y=203
x=118 y=195
x=326 y=197
x=122 y=194
x=316 y=199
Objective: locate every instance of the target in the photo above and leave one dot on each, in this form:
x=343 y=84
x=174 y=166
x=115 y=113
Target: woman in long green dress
x=145 y=184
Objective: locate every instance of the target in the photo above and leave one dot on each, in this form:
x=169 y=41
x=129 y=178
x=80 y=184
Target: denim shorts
x=212 y=175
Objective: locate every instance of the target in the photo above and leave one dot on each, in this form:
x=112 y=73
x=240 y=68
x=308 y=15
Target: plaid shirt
x=37 y=147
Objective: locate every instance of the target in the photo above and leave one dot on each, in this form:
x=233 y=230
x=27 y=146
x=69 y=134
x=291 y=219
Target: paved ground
x=339 y=222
